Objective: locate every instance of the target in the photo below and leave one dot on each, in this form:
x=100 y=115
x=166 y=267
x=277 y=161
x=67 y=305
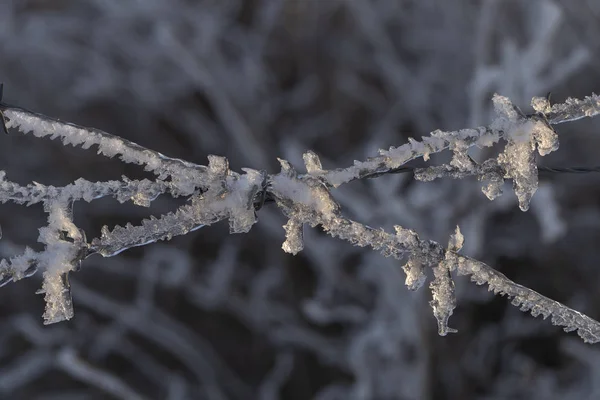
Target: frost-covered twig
x=68 y=361
x=217 y=193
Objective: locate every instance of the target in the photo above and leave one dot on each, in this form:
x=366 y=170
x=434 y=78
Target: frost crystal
x=312 y=162
x=415 y=273
x=541 y=105
x=442 y=287
x=518 y=158
x=294 y=242
x=523 y=134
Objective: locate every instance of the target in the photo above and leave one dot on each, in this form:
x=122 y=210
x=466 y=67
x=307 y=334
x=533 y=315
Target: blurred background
x=218 y=316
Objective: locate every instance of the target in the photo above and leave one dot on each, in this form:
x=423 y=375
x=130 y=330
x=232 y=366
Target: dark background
x=218 y=316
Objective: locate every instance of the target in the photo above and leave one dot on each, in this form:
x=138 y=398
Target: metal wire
x=563 y=170
x=570 y=170
x=400 y=170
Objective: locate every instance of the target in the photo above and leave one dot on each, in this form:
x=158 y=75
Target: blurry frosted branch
x=272 y=384
x=68 y=361
x=217 y=193
x=172 y=336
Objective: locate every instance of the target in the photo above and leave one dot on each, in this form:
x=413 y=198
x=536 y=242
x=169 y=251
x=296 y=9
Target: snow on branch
x=217 y=193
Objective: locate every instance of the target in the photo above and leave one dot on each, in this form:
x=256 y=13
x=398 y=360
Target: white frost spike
x=312 y=162
x=442 y=288
x=518 y=162
x=294 y=237
x=286 y=168
x=518 y=158
x=59 y=305
x=444 y=299
x=504 y=108
x=545 y=138
x=218 y=165
x=414 y=268
x=240 y=200
x=457 y=240
x=60 y=257
x=541 y=105
x=415 y=276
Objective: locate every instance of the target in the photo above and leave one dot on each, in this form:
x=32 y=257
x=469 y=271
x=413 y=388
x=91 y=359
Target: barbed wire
x=266 y=198
x=564 y=170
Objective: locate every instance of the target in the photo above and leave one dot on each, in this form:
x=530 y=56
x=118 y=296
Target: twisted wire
x=564 y=170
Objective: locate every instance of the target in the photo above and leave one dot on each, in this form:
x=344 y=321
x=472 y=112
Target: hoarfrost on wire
x=523 y=136
x=217 y=193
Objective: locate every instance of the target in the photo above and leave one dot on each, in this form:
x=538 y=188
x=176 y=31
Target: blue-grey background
x=218 y=316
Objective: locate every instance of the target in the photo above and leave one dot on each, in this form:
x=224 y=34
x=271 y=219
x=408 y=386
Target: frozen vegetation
x=221 y=243
x=217 y=193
